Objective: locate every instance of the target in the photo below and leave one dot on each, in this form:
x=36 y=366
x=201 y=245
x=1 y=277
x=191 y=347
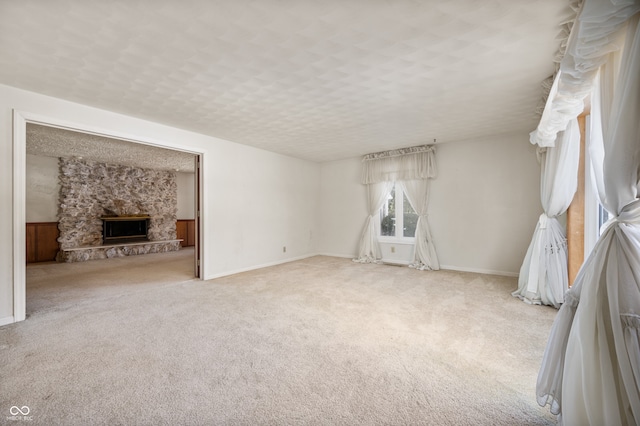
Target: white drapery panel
x=424 y=257
x=595 y=379
x=376 y=195
x=401 y=164
x=543 y=275
x=379 y=173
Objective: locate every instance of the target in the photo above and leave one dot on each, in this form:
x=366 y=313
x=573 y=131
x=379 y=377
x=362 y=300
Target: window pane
x=388 y=216
x=410 y=218
x=603 y=217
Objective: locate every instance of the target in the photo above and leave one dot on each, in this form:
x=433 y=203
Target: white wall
x=343 y=207
x=263 y=202
x=186 y=195
x=254 y=202
x=43 y=189
x=484 y=204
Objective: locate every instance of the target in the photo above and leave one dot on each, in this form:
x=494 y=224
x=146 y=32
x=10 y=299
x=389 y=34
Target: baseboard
x=445 y=267
x=349 y=256
x=479 y=271
x=395 y=262
x=263 y=265
x=7 y=320
x=344 y=256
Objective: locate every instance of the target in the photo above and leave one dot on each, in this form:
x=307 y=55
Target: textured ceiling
x=320 y=80
x=55 y=142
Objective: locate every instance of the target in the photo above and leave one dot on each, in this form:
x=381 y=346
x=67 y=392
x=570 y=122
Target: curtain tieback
x=542 y=221
x=630 y=214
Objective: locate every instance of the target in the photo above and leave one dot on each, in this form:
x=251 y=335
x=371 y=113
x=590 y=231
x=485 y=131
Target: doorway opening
x=22 y=150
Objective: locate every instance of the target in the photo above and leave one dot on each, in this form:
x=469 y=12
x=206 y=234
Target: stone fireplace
x=109 y=210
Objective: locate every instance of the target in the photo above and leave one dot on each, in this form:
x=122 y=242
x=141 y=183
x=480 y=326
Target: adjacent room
x=341 y=212
x=90 y=197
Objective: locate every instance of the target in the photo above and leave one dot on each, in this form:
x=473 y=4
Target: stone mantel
x=108 y=246
x=126 y=217
x=108 y=251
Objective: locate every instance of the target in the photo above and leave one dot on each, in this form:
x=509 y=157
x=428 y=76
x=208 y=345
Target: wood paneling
x=191 y=233
x=181 y=232
x=31 y=243
x=575 y=215
x=42 y=241
x=185 y=231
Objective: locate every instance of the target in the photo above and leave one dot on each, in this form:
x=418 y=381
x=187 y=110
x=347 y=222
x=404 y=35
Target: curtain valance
x=413 y=163
x=593 y=37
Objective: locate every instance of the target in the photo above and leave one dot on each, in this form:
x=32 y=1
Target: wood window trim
x=575 y=212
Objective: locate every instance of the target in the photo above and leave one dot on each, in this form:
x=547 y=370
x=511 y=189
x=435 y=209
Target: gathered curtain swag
x=401 y=164
x=413 y=168
x=595 y=35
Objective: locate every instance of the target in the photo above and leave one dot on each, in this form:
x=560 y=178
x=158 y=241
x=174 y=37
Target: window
x=397 y=218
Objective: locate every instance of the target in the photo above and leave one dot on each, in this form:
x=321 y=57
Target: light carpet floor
x=319 y=341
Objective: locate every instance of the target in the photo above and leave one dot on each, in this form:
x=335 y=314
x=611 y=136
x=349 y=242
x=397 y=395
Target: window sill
x=395 y=240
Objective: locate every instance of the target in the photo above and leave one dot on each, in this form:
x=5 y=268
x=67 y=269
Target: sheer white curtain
x=424 y=257
x=380 y=171
x=590 y=372
x=376 y=195
x=543 y=276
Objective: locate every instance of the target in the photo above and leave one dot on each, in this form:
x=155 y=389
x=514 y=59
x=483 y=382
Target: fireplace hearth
x=125 y=228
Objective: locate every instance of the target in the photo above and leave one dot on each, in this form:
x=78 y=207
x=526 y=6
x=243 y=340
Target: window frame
x=595 y=215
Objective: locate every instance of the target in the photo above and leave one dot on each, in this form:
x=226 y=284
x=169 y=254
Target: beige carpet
x=318 y=341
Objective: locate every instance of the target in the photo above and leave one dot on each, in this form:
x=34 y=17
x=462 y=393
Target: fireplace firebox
x=124 y=229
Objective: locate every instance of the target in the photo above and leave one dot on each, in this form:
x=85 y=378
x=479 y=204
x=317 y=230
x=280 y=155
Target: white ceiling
x=315 y=79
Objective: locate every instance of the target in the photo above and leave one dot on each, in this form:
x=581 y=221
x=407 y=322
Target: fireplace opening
x=124 y=229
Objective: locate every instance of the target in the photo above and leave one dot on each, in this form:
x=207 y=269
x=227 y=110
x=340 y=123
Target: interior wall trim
x=6 y=320
x=480 y=271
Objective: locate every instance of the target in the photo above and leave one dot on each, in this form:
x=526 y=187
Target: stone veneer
x=89 y=190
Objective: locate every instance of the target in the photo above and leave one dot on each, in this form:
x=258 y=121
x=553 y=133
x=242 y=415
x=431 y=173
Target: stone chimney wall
x=90 y=189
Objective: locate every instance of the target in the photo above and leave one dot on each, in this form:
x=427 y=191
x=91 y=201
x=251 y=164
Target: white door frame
x=20 y=120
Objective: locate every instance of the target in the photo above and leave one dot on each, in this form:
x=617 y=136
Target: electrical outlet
x=393 y=249
x=284 y=249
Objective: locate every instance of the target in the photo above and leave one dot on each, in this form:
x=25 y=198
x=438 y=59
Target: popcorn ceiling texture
x=319 y=80
x=56 y=142
x=89 y=190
